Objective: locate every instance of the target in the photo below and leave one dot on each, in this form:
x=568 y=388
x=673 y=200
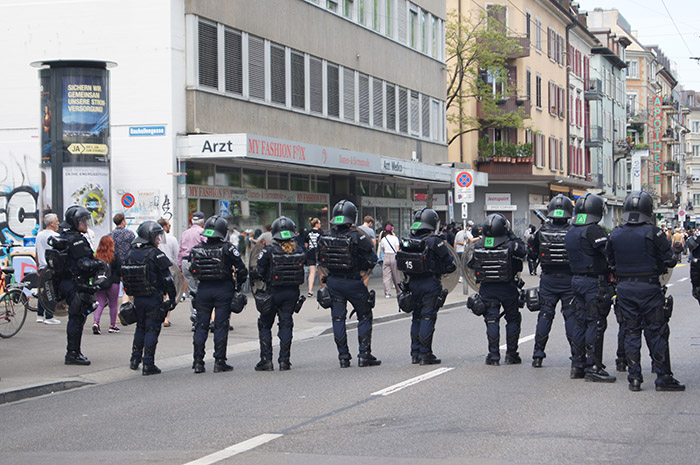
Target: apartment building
x=690 y=100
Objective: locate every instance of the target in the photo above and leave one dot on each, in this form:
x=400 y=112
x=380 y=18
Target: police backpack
x=208 y=264
x=412 y=256
x=287 y=269
x=336 y=252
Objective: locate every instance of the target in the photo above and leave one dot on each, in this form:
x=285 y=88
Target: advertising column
x=75 y=144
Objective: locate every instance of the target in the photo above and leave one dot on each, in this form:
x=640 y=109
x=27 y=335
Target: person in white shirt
x=170 y=248
x=51 y=223
x=460 y=242
x=390 y=273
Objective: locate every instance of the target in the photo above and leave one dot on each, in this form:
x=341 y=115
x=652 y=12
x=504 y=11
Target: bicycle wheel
x=13 y=312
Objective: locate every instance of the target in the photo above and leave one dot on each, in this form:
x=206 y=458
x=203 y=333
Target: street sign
x=464 y=186
x=681 y=215
x=128 y=200
x=451 y=206
x=223 y=208
x=88 y=149
x=465 y=211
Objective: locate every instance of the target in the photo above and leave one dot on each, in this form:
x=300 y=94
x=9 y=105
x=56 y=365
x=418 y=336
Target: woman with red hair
x=105 y=252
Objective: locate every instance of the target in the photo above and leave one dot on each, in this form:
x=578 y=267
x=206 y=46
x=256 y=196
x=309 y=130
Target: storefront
x=253 y=180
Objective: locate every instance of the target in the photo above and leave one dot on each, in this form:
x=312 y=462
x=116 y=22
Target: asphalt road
x=460 y=412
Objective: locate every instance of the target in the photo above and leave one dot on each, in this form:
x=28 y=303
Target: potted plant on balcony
x=511 y=152
x=525 y=153
x=486 y=150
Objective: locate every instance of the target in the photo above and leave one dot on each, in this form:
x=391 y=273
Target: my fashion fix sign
x=656 y=146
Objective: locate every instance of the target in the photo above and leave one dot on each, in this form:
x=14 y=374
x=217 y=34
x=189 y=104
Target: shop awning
x=558 y=188
x=577 y=193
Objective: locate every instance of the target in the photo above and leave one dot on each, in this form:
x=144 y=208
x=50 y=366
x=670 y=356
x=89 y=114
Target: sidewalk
x=32 y=361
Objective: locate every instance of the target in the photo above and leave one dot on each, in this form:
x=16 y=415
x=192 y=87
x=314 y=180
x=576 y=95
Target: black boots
x=537 y=362
x=76 y=358
x=150 y=370
x=430 y=359
x=265 y=364
x=596 y=374
x=367 y=360
x=513 y=358
x=220 y=365
x=285 y=364
x=669 y=383
x=344 y=363
x=577 y=372
x=635 y=385
x=492 y=361
x=621 y=365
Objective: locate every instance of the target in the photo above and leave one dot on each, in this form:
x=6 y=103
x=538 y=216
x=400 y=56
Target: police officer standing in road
x=585 y=246
x=640 y=254
x=213 y=264
x=281 y=266
x=75 y=284
x=694 y=251
x=496 y=260
x=424 y=257
x=146 y=277
x=548 y=244
x=346 y=252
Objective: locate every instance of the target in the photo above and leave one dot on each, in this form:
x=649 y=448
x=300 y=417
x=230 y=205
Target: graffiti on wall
x=141 y=205
x=19 y=194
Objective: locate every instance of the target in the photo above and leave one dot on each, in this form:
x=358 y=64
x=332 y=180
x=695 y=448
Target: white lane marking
x=412 y=381
x=669 y=285
x=682 y=279
x=520 y=341
x=235 y=449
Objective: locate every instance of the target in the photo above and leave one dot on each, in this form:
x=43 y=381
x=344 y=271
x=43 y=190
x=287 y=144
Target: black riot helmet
x=147 y=233
x=638 y=208
x=283 y=229
x=560 y=208
x=216 y=227
x=75 y=214
x=495 y=230
x=425 y=218
x=344 y=212
x=589 y=209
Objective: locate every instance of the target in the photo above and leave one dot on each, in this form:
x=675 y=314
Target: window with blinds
x=403 y=110
x=233 y=61
x=425 y=114
x=435 y=120
x=403 y=9
x=277 y=77
x=415 y=114
x=349 y=94
x=363 y=98
x=316 y=84
x=333 y=90
x=390 y=107
x=298 y=80
x=377 y=103
x=208 y=59
x=256 y=67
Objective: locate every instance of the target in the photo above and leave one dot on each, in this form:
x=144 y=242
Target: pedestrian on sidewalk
x=389 y=244
x=281 y=266
x=51 y=223
x=368 y=228
x=170 y=248
x=122 y=238
x=311 y=244
x=189 y=239
x=105 y=252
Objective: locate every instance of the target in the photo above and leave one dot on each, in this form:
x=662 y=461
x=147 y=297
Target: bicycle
x=13 y=305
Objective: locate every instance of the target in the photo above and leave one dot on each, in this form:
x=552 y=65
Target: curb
x=40 y=390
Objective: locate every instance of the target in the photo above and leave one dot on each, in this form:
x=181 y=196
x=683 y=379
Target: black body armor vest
x=335 y=253
x=208 y=263
x=493 y=265
x=287 y=269
x=553 y=247
x=412 y=257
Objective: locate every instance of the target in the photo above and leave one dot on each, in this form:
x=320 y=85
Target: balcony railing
x=594 y=136
x=512 y=104
x=522 y=49
x=594 y=89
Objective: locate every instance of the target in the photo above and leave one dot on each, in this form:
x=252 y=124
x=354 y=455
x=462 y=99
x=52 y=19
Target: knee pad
x=223 y=324
x=201 y=326
x=429 y=317
x=364 y=316
x=546 y=316
x=338 y=318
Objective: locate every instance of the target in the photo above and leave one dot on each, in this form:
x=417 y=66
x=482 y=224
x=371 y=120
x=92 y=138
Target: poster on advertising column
x=88 y=186
x=85 y=115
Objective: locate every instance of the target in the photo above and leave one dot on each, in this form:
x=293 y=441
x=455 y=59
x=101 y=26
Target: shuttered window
x=233 y=57
x=333 y=91
x=277 y=69
x=377 y=103
x=390 y=107
x=403 y=110
x=208 y=60
x=364 y=98
x=403 y=8
x=415 y=114
x=256 y=67
x=298 y=76
x=316 y=84
x=425 y=110
x=349 y=94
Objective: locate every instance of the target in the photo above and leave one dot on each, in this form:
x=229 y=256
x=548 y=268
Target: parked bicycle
x=14 y=301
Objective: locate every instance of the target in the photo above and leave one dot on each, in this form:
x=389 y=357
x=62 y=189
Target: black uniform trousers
x=494 y=295
x=148 y=325
x=344 y=290
x=212 y=296
x=554 y=287
x=283 y=300
x=425 y=290
x=591 y=321
x=641 y=305
x=77 y=314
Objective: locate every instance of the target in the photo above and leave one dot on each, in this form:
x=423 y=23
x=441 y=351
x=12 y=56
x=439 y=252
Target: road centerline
x=410 y=382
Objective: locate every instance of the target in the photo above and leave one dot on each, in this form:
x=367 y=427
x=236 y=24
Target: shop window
x=233 y=61
x=254 y=179
x=401 y=192
x=279 y=181
x=228 y=176
x=260 y=215
x=299 y=182
x=200 y=174
x=375 y=189
x=362 y=187
x=388 y=190
x=320 y=185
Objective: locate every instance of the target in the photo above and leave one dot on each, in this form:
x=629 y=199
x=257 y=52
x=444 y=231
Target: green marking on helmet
x=285 y=235
x=416 y=225
x=339 y=219
x=488 y=241
x=558 y=213
x=209 y=232
x=581 y=218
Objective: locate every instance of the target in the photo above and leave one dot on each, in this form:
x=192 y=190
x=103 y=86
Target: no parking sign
x=464 y=186
x=128 y=200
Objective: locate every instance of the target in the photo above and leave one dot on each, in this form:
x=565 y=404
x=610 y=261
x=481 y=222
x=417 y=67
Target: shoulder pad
x=161 y=260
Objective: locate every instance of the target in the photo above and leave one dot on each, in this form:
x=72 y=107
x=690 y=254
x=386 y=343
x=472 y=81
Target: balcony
x=670 y=105
x=521 y=50
x=621 y=148
x=671 y=167
x=504 y=157
x=593 y=90
x=513 y=104
x=670 y=137
x=594 y=137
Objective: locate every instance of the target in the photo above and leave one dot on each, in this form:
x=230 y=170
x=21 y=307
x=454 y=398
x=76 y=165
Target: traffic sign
x=681 y=215
x=128 y=200
x=464 y=186
x=465 y=211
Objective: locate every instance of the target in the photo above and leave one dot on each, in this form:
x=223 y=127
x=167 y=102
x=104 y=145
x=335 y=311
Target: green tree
x=478 y=46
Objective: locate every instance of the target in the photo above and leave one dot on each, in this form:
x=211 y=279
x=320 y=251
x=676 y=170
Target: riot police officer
x=281 y=266
x=75 y=284
x=146 y=277
x=346 y=252
x=213 y=264
x=496 y=260
x=423 y=257
x=585 y=245
x=548 y=244
x=640 y=253
x=694 y=248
